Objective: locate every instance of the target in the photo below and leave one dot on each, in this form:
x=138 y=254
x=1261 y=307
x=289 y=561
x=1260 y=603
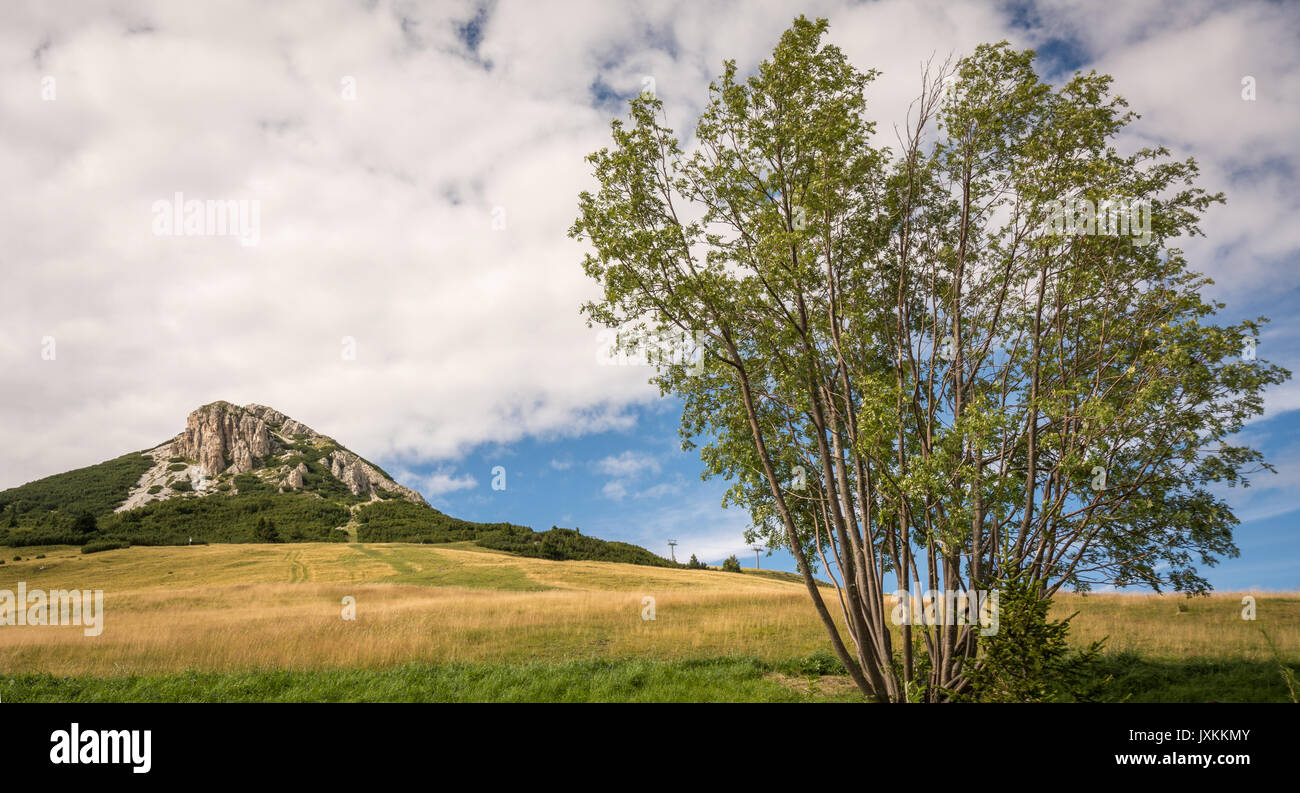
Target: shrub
x=819 y=663
x=182 y=486
x=43 y=535
x=155 y=490
x=248 y=484
x=95 y=546
x=731 y=564
x=1029 y=658
x=568 y=545
x=266 y=531
x=84 y=523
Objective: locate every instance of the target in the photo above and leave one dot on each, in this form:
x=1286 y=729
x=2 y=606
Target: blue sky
x=568 y=483
x=637 y=485
x=564 y=483
x=416 y=166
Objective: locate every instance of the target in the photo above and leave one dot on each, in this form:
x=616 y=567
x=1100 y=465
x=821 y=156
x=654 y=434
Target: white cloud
x=662 y=489
x=376 y=223
x=614 y=490
x=628 y=464
x=442 y=482
x=626 y=468
x=376 y=214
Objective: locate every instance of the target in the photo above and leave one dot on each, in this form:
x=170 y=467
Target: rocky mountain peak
x=222 y=440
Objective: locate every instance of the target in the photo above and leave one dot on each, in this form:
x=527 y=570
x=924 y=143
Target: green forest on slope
x=77 y=508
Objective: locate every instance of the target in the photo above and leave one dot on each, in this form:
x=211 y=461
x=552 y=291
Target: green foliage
x=42 y=535
x=901 y=345
x=817 y=664
x=568 y=545
x=266 y=531
x=726 y=679
x=1287 y=673
x=1029 y=658
x=731 y=564
x=97 y=489
x=257 y=512
x=76 y=508
x=250 y=484
x=404 y=521
x=1128 y=678
x=95 y=546
x=223 y=518
x=696 y=564
x=84 y=523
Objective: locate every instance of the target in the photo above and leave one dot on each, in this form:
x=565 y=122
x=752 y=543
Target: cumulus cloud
x=627 y=464
x=416 y=168
x=662 y=489
x=614 y=490
x=423 y=222
x=626 y=468
x=442 y=482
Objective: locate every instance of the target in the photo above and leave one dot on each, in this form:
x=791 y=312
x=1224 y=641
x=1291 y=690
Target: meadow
x=458 y=622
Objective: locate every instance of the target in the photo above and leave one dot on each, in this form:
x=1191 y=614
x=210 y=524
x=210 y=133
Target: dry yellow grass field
x=245 y=607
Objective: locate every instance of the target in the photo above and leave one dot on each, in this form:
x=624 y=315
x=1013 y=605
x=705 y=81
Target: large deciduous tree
x=912 y=373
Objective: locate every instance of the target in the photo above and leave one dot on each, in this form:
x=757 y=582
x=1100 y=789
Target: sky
x=405 y=282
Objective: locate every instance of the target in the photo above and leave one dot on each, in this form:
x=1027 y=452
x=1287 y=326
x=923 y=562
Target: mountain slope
x=252 y=474
x=222 y=441
x=96 y=489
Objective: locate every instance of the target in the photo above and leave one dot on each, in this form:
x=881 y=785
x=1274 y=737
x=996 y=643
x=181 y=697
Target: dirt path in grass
x=298 y=573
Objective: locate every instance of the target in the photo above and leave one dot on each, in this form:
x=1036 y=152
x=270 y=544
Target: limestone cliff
x=221 y=441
